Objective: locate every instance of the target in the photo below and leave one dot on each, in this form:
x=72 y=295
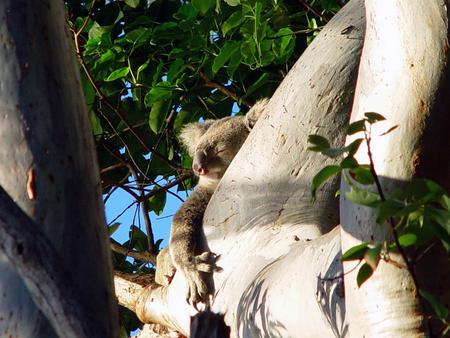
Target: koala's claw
x=198 y=291
x=206 y=262
x=199 y=278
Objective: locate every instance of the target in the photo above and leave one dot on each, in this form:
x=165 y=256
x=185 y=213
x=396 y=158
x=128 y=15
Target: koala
x=212 y=146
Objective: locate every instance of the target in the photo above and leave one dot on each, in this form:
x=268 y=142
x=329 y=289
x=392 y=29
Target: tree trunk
x=48 y=166
x=403 y=65
x=261 y=219
x=282 y=271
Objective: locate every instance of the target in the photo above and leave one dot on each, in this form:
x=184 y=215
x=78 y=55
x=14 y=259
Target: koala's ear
x=255 y=112
x=191 y=133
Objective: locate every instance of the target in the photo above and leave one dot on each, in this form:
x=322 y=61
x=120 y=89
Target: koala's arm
x=187 y=246
x=165 y=269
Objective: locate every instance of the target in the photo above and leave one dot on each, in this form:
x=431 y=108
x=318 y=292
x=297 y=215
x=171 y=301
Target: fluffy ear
x=191 y=133
x=255 y=112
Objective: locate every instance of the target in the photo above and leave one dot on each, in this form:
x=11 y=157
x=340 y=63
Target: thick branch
x=40 y=267
x=127 y=292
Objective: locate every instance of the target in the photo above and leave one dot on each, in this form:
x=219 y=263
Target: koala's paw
x=200 y=282
x=198 y=290
x=206 y=262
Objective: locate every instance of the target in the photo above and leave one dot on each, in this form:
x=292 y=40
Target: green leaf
x=138 y=36
x=333 y=152
x=158 y=115
x=113 y=228
x=318 y=143
x=439 y=309
x=158 y=243
x=96 y=126
x=355 y=253
x=373 y=117
x=445 y=201
x=284 y=43
x=228 y=49
x=424 y=191
x=362 y=174
x=187 y=12
x=123 y=332
x=349 y=162
x=106 y=56
x=362 y=197
x=176 y=67
x=263 y=79
x=234 y=63
x=157 y=202
x=97 y=31
x=353 y=147
x=138 y=239
x=132 y=3
x=141 y=68
x=233 y=2
x=162 y=91
x=322 y=176
x=233 y=21
x=356 y=127
x=203 y=6
x=372 y=256
x=118 y=74
x=441 y=217
x=407 y=240
x=444 y=235
x=364 y=274
x=248 y=51
x=388 y=209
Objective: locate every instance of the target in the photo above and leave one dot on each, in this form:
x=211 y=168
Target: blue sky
x=160 y=224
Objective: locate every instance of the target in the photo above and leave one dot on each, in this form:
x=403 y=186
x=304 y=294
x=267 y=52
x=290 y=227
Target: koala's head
x=214 y=143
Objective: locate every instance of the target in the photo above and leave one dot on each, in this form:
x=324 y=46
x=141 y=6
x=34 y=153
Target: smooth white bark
x=261 y=219
x=402 y=67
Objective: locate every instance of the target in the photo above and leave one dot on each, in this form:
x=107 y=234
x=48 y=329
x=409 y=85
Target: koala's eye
x=220 y=150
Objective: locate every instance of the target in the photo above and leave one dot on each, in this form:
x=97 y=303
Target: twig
x=112 y=167
x=312 y=10
x=392 y=224
x=145 y=215
x=123 y=211
x=83 y=26
x=117 y=111
x=341 y=275
x=179 y=180
x=301 y=31
x=220 y=88
x=145 y=256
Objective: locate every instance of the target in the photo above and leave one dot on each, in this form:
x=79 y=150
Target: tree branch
x=145 y=256
x=117 y=111
x=42 y=270
x=219 y=87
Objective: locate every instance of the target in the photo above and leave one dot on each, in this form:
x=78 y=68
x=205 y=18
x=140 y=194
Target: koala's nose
x=200 y=164
x=199 y=170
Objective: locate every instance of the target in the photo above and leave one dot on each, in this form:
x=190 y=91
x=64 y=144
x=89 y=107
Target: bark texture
x=48 y=165
x=403 y=66
x=261 y=220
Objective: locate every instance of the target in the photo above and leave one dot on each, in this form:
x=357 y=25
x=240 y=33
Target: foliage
x=150 y=66
x=418 y=213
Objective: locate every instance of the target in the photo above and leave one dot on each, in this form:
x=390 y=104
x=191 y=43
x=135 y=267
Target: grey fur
x=212 y=145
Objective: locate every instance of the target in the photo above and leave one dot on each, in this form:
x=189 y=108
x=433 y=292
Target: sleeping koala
x=212 y=145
